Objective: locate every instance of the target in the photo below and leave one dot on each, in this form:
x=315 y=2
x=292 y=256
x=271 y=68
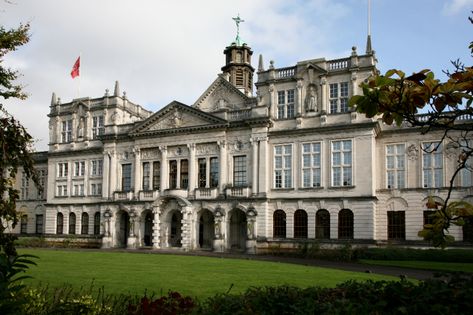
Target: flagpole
x=80 y=74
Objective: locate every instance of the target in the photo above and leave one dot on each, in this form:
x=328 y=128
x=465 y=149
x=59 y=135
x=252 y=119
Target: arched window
x=97 y=223
x=24 y=224
x=345 y=224
x=72 y=223
x=300 y=224
x=322 y=224
x=279 y=224
x=84 y=223
x=396 y=225
x=60 y=223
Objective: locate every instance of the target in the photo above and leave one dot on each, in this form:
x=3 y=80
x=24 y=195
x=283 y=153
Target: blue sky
x=172 y=50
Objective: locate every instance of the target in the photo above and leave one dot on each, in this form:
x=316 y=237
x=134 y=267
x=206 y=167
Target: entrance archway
x=148 y=229
x=238 y=230
x=123 y=231
x=206 y=229
x=176 y=229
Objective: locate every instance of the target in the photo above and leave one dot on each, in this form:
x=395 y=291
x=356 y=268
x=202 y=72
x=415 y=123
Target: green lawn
x=121 y=272
x=426 y=265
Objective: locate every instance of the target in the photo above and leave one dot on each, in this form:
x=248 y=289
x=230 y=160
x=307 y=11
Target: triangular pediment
x=222 y=95
x=177 y=116
x=316 y=68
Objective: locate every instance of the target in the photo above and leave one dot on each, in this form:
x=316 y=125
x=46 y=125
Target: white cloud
x=456 y=6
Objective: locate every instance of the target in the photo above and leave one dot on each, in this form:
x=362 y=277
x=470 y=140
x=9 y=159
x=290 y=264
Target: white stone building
x=234 y=171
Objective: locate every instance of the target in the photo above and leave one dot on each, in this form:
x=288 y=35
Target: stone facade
x=240 y=172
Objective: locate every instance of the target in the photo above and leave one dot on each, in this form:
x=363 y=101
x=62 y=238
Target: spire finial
x=117 y=89
x=260 y=63
x=369 y=48
x=238 y=20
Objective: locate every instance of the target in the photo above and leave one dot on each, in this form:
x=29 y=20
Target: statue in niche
x=311 y=99
x=80 y=128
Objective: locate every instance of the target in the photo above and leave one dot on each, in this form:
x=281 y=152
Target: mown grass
x=201 y=277
x=426 y=265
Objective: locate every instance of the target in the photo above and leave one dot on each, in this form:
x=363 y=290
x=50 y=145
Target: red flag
x=75 y=68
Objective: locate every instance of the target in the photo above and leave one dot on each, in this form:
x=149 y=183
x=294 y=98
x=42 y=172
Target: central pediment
x=177 y=117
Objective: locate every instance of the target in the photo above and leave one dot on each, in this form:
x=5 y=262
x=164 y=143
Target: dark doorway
x=148 y=239
x=206 y=230
x=238 y=230
x=124 y=231
x=176 y=226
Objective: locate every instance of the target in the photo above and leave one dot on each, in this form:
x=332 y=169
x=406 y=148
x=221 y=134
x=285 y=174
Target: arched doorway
x=206 y=229
x=148 y=229
x=238 y=230
x=176 y=229
x=123 y=228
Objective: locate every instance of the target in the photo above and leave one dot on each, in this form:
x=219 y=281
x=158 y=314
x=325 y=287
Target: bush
x=396 y=253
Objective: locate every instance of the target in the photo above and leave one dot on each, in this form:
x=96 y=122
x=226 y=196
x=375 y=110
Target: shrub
x=173 y=303
x=396 y=253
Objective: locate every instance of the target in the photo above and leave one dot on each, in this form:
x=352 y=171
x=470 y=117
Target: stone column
x=137 y=178
x=192 y=169
x=107 y=236
x=223 y=168
x=323 y=97
x=164 y=168
x=113 y=172
x=264 y=183
x=132 y=241
x=254 y=184
x=354 y=84
x=218 y=243
x=186 y=227
x=105 y=175
x=299 y=102
x=272 y=106
x=156 y=227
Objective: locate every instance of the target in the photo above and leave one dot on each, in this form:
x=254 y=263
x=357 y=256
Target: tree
x=420 y=100
x=15 y=150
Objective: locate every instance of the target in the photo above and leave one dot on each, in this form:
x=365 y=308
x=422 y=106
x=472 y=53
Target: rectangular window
x=78 y=190
x=283 y=166
x=39 y=224
x=96 y=189
x=97 y=126
x=62 y=169
x=156 y=175
x=66 y=132
x=173 y=174
x=239 y=171
x=311 y=165
x=432 y=165
x=79 y=168
x=126 y=177
x=61 y=190
x=146 y=176
x=395 y=166
x=24 y=224
x=338 y=97
x=25 y=182
x=184 y=174
x=202 y=173
x=285 y=104
x=396 y=225
x=342 y=163
x=97 y=167
x=214 y=174
x=43 y=175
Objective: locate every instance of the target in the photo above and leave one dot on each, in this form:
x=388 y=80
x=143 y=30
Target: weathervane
x=238 y=20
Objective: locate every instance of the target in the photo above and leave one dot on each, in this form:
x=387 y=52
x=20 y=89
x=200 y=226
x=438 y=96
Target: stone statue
x=80 y=128
x=311 y=99
x=217 y=229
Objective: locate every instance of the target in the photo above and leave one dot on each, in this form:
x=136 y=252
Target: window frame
x=342 y=166
x=240 y=169
x=398 y=174
x=432 y=174
x=284 y=172
x=314 y=170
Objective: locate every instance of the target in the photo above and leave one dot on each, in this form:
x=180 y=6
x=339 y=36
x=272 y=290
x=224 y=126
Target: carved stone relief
x=151 y=153
x=412 y=152
x=206 y=149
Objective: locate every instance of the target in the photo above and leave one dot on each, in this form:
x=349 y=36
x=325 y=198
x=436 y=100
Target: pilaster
x=254 y=163
x=223 y=167
x=137 y=172
x=192 y=169
x=299 y=98
x=164 y=168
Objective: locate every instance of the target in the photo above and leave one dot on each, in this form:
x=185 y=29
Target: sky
x=162 y=51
